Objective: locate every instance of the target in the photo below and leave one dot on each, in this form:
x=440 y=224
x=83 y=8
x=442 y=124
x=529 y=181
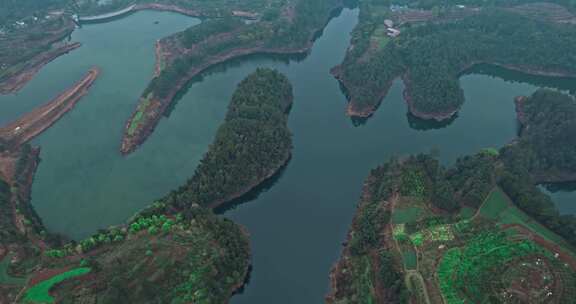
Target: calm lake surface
x=297 y=225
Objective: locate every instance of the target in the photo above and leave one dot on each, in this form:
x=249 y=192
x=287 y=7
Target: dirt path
x=35 y=122
x=18 y=80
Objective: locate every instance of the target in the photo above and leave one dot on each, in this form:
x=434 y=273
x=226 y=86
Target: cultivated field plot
x=496 y=254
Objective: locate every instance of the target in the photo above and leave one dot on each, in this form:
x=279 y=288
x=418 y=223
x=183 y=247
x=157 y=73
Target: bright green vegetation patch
x=464 y=273
x=39 y=293
x=438 y=233
x=417 y=238
x=410 y=259
x=5 y=278
x=449 y=262
x=491 y=151
x=406 y=215
x=139 y=115
x=497 y=207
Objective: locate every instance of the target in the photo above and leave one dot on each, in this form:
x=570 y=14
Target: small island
x=251 y=146
x=430 y=49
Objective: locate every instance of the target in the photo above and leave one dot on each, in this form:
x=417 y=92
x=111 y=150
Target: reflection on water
x=566 y=84
x=420 y=124
x=284 y=59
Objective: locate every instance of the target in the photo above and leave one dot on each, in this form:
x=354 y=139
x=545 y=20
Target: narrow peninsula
x=35 y=122
x=546 y=145
x=289 y=29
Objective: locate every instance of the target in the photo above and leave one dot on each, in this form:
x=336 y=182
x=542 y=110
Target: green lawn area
x=410 y=259
x=498 y=207
x=466 y=213
x=5 y=278
x=139 y=115
x=406 y=215
x=495 y=204
x=39 y=293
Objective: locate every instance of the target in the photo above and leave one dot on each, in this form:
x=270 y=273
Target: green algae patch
x=39 y=293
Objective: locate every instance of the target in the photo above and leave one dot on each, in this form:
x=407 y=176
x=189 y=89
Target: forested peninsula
x=160 y=255
x=430 y=49
x=251 y=146
x=289 y=29
x=546 y=145
x=423 y=233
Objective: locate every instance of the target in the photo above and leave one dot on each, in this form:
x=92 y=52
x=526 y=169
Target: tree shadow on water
x=560 y=187
x=255 y=192
x=420 y=124
x=260 y=58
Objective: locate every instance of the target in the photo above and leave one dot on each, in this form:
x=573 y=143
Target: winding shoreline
x=354 y=110
x=156 y=107
x=18 y=80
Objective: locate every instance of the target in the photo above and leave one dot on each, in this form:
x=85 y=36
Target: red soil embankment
x=39 y=119
x=46 y=274
x=18 y=80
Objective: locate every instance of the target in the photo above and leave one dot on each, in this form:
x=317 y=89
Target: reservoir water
x=298 y=224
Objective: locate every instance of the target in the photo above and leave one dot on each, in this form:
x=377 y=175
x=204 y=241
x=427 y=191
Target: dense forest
x=431 y=57
x=366 y=263
x=546 y=146
x=282 y=33
x=250 y=146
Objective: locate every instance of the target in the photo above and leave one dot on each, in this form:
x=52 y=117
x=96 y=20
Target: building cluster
x=390 y=30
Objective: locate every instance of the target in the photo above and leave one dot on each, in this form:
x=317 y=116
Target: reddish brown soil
x=18 y=80
x=39 y=119
x=562 y=254
x=168 y=8
x=46 y=274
